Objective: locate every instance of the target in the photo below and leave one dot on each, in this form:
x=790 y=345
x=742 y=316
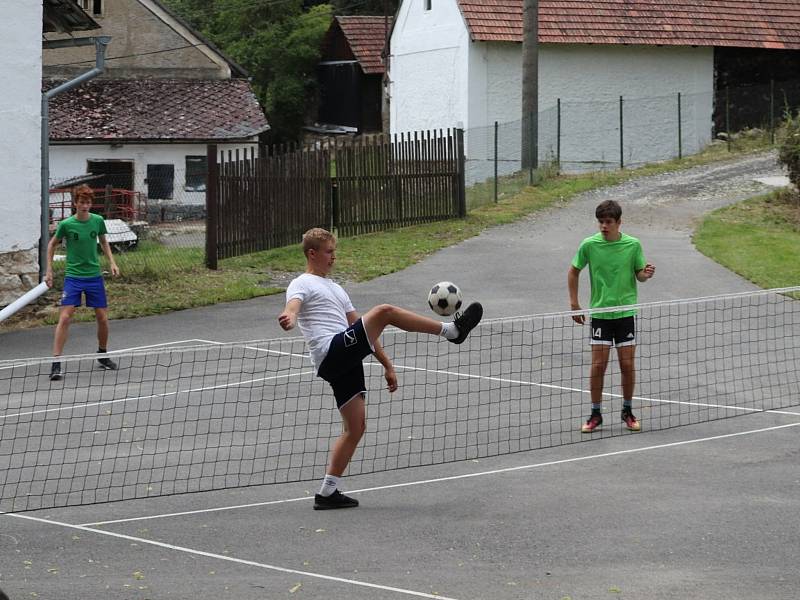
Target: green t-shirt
x=82 y=256
x=612 y=271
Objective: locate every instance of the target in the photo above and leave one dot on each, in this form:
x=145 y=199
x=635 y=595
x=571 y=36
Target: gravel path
x=514 y=269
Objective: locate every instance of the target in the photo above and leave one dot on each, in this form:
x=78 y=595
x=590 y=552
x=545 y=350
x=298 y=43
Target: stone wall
x=19 y=272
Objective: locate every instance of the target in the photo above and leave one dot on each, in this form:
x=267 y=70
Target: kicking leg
x=383 y=315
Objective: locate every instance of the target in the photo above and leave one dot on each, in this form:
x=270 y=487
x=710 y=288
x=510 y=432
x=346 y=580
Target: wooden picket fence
x=351 y=187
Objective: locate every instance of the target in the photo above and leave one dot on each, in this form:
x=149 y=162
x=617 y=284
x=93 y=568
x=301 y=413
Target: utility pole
x=530 y=84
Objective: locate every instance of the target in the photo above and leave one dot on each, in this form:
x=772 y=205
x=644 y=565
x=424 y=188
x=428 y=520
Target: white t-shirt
x=323 y=312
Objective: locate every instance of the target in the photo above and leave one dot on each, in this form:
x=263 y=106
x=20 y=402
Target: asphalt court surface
x=705 y=510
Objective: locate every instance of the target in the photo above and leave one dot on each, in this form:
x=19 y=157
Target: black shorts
x=342 y=367
x=613 y=332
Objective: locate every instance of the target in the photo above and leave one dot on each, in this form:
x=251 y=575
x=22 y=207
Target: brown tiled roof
x=366 y=36
x=156 y=109
x=737 y=23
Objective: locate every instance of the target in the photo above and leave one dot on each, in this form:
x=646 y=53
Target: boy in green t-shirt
x=616 y=262
x=82 y=276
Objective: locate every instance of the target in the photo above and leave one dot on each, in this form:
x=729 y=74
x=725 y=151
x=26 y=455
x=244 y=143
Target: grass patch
x=758 y=239
x=157 y=279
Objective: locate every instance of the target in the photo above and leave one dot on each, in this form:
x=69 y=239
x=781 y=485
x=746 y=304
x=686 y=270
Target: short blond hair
x=314 y=238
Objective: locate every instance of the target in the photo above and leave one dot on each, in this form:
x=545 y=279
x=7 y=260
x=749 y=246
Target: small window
x=196 y=171
x=93 y=7
x=428 y=4
x=160 y=181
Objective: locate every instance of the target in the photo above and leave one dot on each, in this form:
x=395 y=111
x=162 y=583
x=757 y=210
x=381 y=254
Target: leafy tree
x=277 y=42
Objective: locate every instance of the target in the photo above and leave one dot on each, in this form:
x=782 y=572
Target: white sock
x=449 y=331
x=329 y=485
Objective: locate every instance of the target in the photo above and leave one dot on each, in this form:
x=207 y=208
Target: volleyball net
x=180 y=419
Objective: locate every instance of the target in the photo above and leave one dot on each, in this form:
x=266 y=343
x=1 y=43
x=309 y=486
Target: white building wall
x=68 y=161
x=428 y=67
x=20 y=143
x=589 y=81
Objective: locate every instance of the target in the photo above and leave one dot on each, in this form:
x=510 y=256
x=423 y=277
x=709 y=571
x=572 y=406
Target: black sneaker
x=107 y=363
x=55 y=372
x=466 y=321
x=336 y=500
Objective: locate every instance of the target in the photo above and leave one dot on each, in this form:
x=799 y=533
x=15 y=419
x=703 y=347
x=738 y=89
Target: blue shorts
x=342 y=367
x=93 y=287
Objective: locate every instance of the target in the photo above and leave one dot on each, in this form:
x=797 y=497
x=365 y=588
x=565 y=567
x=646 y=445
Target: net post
x=212 y=215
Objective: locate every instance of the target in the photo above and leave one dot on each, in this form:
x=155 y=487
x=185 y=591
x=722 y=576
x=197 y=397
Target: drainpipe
x=100 y=43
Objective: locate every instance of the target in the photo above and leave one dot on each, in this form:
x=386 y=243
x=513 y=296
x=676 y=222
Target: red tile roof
x=366 y=36
x=155 y=110
x=736 y=23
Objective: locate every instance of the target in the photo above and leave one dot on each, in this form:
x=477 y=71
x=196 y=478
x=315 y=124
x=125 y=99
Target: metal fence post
x=558 y=133
x=461 y=160
x=772 y=111
x=621 y=137
x=212 y=214
x=680 y=131
x=728 y=116
x=496 y=126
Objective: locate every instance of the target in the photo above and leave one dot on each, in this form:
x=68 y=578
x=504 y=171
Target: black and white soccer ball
x=444 y=298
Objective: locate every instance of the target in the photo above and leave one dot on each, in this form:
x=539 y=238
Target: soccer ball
x=444 y=298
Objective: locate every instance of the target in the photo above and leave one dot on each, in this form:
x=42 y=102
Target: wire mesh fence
x=578 y=136
x=154 y=224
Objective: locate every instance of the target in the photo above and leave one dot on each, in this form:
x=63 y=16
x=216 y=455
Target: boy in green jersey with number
x=616 y=262
x=82 y=232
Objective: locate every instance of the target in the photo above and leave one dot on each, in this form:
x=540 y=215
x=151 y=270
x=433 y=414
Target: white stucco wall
x=589 y=81
x=428 y=67
x=20 y=148
x=20 y=115
x=67 y=161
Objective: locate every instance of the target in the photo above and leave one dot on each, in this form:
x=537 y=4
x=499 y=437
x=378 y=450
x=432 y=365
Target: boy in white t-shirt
x=339 y=340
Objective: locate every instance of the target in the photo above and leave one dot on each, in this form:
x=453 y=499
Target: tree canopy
x=276 y=41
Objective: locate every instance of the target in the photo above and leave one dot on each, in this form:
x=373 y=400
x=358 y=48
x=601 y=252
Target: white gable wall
x=20 y=154
x=428 y=67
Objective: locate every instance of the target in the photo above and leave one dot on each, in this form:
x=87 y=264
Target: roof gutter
x=100 y=43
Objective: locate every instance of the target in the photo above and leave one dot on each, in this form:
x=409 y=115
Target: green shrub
x=789 y=152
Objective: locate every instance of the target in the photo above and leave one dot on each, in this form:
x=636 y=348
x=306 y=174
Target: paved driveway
x=514 y=269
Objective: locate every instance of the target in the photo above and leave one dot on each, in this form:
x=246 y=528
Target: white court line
x=570 y=389
x=457 y=477
x=152 y=396
x=246 y=346
x=241 y=561
x=536 y=384
x=119 y=351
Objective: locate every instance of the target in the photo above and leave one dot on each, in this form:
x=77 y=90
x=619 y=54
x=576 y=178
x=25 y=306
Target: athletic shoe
x=55 y=372
x=107 y=363
x=631 y=422
x=466 y=321
x=593 y=423
x=336 y=500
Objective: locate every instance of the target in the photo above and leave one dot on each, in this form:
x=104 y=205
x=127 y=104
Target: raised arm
x=288 y=318
x=646 y=273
